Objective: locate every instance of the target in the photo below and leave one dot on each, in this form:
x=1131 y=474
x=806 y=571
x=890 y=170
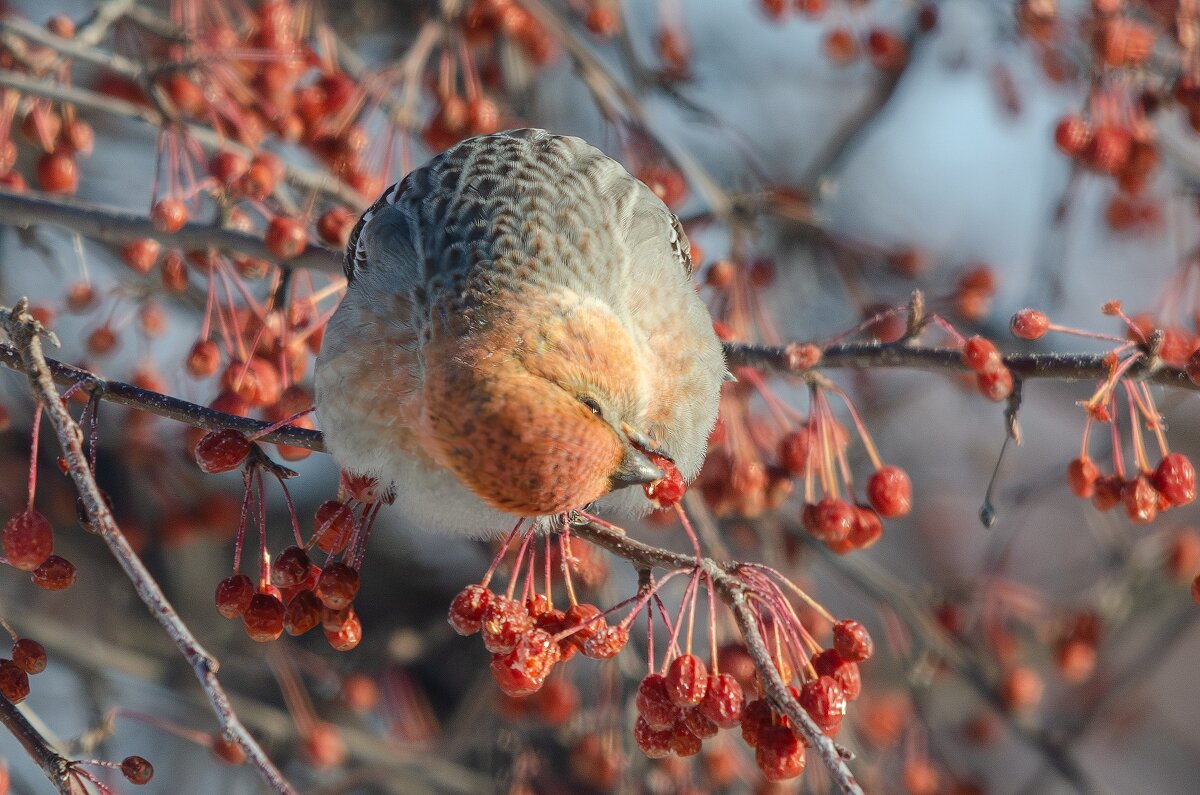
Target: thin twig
x=56 y=767
x=26 y=333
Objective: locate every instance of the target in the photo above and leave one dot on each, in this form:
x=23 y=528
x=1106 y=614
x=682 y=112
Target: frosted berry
x=780 y=754
x=723 y=701
x=466 y=611
x=263 y=618
x=823 y=699
x=29 y=655
x=1029 y=324
x=333 y=524
x=14 y=682
x=233 y=595
x=523 y=670
x=890 y=492
x=28 y=540
x=221 y=451
x=606 y=643
x=699 y=724
x=756 y=719
x=1140 y=499
x=654 y=703
x=669 y=490
x=585 y=619
x=654 y=743
x=290 y=567
x=995 y=385
x=302 y=613
x=687 y=680
x=137 y=769
x=683 y=742
x=504 y=623
x=845 y=672
x=55 y=574
x=337 y=586
x=852 y=641
x=1175 y=479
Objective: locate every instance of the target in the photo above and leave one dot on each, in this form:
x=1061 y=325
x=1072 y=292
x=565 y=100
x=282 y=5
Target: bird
x=520 y=335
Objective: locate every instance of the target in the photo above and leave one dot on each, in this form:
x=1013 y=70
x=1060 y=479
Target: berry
x=699 y=724
x=57 y=172
x=890 y=492
x=334 y=226
x=829 y=520
x=1140 y=499
x=227 y=167
x=346 y=635
x=683 y=742
x=780 y=754
x=137 y=769
x=302 y=613
x=141 y=254
x=723 y=701
x=586 y=620
x=221 y=451
x=981 y=356
x=1107 y=493
x=228 y=751
x=687 y=680
x=669 y=490
x=1175 y=479
x=29 y=655
x=234 y=595
x=263 y=618
x=1082 y=474
x=14 y=682
x=654 y=743
x=1072 y=135
x=851 y=641
x=332 y=526
x=55 y=574
x=868 y=527
x=290 y=567
x=757 y=717
x=830 y=663
x=840 y=46
x=337 y=586
x=1020 y=688
x=606 y=643
x=654 y=703
x=523 y=670
x=169 y=214
x=285 y=237
x=995 y=385
x=504 y=623
x=28 y=540
x=823 y=699
x=466 y=611
x=1029 y=324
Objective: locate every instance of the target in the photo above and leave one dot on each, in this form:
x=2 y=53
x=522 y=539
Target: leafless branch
x=56 y=767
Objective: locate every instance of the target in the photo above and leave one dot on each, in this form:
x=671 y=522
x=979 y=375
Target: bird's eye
x=592 y=405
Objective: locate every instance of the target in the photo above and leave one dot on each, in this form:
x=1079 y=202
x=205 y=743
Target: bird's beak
x=636 y=467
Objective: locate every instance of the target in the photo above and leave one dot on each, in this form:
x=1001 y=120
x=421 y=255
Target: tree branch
x=26 y=333
x=56 y=767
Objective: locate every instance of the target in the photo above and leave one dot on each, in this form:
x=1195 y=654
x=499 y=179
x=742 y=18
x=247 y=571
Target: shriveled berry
x=756 y=718
x=867 y=529
x=669 y=490
x=263 y=618
x=699 y=724
x=137 y=769
x=587 y=618
x=233 y=595
x=14 y=682
x=830 y=663
x=654 y=743
x=29 y=655
x=890 y=492
x=829 y=520
x=1175 y=479
x=723 y=701
x=290 y=567
x=337 y=586
x=1140 y=499
x=823 y=699
x=221 y=451
x=1082 y=474
x=332 y=526
x=28 y=540
x=852 y=641
x=687 y=680
x=466 y=611
x=523 y=670
x=303 y=613
x=606 y=643
x=55 y=574
x=1108 y=492
x=505 y=621
x=654 y=703
x=347 y=635
x=780 y=754
x=1029 y=324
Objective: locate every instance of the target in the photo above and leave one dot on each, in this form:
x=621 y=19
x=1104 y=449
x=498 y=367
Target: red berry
x=263 y=618
x=829 y=520
x=302 y=613
x=466 y=611
x=332 y=526
x=228 y=751
x=1109 y=149
x=840 y=46
x=868 y=527
x=654 y=703
x=890 y=492
x=137 y=769
x=669 y=490
x=780 y=754
x=1082 y=474
x=1029 y=324
x=227 y=167
x=585 y=619
x=654 y=743
x=334 y=226
x=523 y=670
x=57 y=172
x=830 y=663
x=29 y=655
x=141 y=254
x=823 y=699
x=55 y=574
x=290 y=567
x=980 y=355
x=234 y=595
x=699 y=724
x=757 y=717
x=337 y=586
x=169 y=214
x=723 y=701
x=505 y=621
x=14 y=682
x=687 y=680
x=221 y=451
x=1020 y=688
x=342 y=628
x=285 y=237
x=1140 y=499
x=852 y=641
x=1175 y=479
x=995 y=385
x=1072 y=135
x=606 y=643
x=28 y=540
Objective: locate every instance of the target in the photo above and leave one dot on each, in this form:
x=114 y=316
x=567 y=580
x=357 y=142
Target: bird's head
x=537 y=411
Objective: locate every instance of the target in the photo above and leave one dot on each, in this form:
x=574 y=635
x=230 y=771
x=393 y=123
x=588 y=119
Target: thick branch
x=56 y=767
x=164 y=405
x=112 y=225
x=25 y=332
